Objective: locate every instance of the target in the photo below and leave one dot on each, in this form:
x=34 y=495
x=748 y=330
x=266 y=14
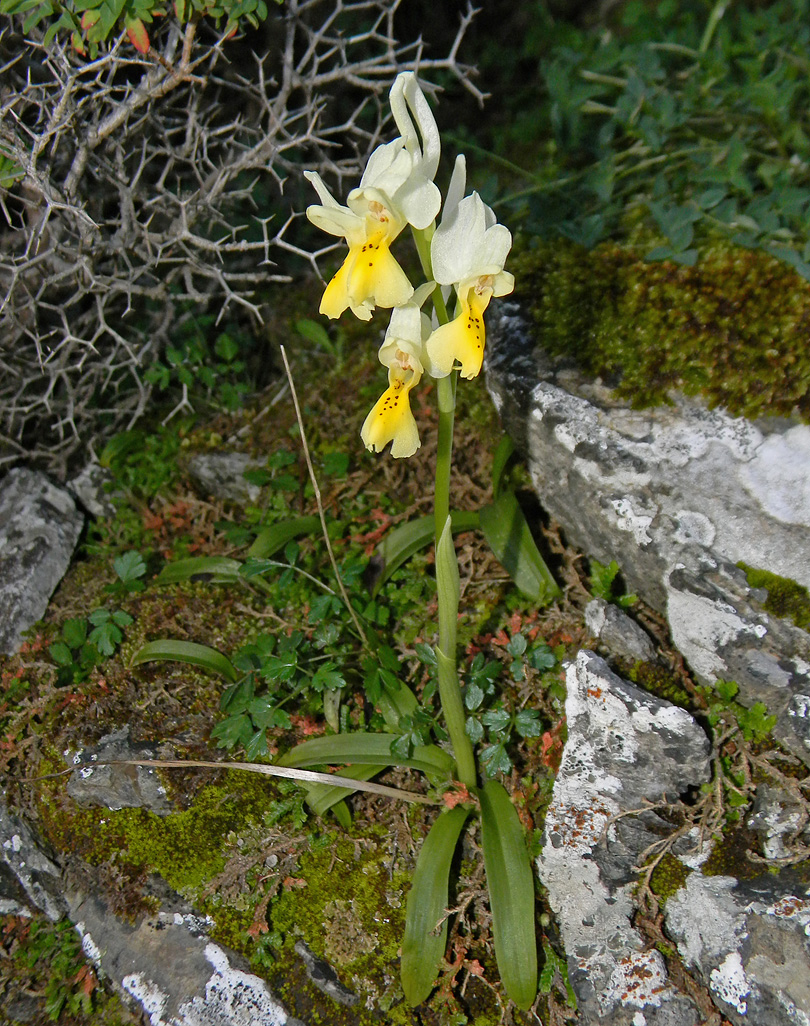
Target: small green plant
x=276 y=671
x=90 y=23
x=71 y=983
x=604 y=580
x=684 y=119
x=753 y=721
x=86 y=642
x=191 y=365
x=129 y=569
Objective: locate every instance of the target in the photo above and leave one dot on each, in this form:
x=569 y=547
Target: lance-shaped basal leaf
x=215 y=569
x=187 y=652
x=511 y=893
x=509 y=537
x=322 y=797
x=400 y=544
x=273 y=539
x=500 y=462
x=424 y=941
x=368 y=749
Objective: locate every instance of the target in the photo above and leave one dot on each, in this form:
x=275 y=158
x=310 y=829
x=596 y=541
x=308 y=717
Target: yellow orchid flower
x=396 y=189
x=468 y=251
x=402 y=352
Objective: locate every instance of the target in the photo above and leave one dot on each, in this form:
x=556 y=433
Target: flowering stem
x=447 y=586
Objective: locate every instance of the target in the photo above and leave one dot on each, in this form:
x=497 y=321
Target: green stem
x=447 y=586
x=446 y=389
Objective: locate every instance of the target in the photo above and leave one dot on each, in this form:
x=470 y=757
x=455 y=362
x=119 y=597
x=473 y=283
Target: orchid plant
x=462 y=258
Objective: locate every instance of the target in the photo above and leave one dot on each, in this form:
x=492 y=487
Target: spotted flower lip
x=369 y=276
x=468 y=251
x=396 y=189
x=403 y=353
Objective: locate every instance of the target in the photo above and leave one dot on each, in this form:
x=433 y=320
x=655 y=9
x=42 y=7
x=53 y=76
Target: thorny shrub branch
x=137 y=191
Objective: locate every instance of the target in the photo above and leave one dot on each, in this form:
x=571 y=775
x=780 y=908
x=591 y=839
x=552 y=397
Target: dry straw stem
x=151 y=190
x=321 y=514
x=289 y=773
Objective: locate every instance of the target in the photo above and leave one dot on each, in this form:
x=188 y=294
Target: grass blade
x=273 y=539
x=511 y=893
x=367 y=749
x=189 y=652
x=509 y=537
x=423 y=945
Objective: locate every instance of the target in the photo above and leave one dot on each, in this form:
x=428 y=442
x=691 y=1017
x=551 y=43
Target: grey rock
x=39 y=529
x=90 y=488
x=719 y=627
x=677 y=495
x=222 y=475
x=172 y=973
x=29 y=879
x=776 y=815
x=117 y=787
x=324 y=977
x=749 y=942
x=618 y=632
x=625 y=750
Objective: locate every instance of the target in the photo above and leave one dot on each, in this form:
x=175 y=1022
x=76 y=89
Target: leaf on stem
x=511 y=893
x=424 y=941
x=216 y=569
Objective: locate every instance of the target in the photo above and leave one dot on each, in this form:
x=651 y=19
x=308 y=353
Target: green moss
x=668 y=877
x=729 y=856
x=785 y=598
x=714 y=329
x=350 y=912
x=656 y=679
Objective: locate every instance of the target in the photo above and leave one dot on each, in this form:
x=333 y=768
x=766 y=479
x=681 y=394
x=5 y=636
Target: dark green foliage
x=682 y=122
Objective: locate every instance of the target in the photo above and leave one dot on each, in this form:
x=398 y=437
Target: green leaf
x=189 y=652
x=400 y=544
x=500 y=461
x=366 y=749
x=424 y=941
x=216 y=569
x=74 y=632
x=511 y=893
x=129 y=566
x=273 y=539
x=509 y=537
x=61 y=654
x=322 y=797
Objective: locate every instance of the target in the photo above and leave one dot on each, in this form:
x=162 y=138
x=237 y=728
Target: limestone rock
x=749 y=942
x=618 y=632
x=222 y=475
x=677 y=495
x=625 y=750
x=39 y=529
x=29 y=879
x=90 y=488
x=167 y=968
x=117 y=787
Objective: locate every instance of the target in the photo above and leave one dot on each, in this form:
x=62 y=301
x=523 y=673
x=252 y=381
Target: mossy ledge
x=733 y=328
x=786 y=598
